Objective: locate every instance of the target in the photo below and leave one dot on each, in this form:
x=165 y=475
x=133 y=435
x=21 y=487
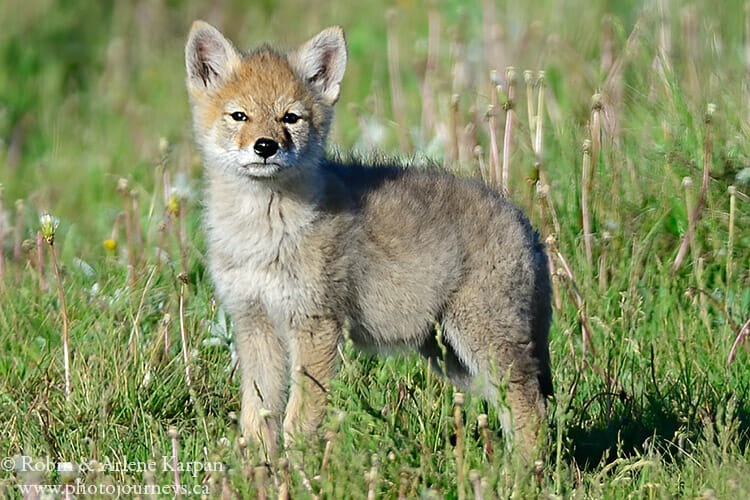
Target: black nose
x=266 y=147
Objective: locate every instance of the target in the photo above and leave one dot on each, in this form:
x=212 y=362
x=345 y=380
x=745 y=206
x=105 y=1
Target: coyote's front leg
x=312 y=348
x=263 y=362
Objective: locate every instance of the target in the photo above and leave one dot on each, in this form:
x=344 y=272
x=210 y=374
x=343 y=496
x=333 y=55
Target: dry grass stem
x=430 y=73
x=330 y=437
x=581 y=306
x=372 y=478
x=747 y=61
x=595 y=128
x=743 y=332
x=607 y=45
x=707 y=152
x=539 y=122
x=122 y=188
x=556 y=297
x=505 y=176
x=475 y=478
x=305 y=481
x=492 y=115
x=603 y=270
x=455 y=127
x=665 y=34
x=700 y=282
x=2 y=238
x=484 y=430
x=164 y=225
x=18 y=235
x=479 y=157
x=174 y=436
x=687 y=185
x=165 y=323
x=135 y=332
x=528 y=78
x=259 y=474
x=285 y=479
x=730 y=238
x=183 y=335
x=394 y=75
x=585 y=193
x=137 y=230
x=49 y=226
x=227 y=492
x=458 y=422
x=689 y=20
x=39 y=261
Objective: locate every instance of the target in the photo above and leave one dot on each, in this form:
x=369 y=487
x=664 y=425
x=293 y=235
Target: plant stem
x=183 y=336
x=585 y=186
x=743 y=332
x=458 y=420
x=174 y=436
x=505 y=177
x=64 y=312
x=730 y=239
x=707 y=151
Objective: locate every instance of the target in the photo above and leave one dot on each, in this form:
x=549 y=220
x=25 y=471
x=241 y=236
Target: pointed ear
x=209 y=57
x=321 y=61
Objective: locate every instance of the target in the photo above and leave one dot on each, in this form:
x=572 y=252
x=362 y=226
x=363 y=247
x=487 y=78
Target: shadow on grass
x=668 y=423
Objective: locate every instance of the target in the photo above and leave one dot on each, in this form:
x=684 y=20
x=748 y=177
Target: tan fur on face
x=264 y=86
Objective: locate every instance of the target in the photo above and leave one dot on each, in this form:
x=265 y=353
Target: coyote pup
x=299 y=246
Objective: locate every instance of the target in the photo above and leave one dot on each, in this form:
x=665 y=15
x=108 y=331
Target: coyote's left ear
x=321 y=61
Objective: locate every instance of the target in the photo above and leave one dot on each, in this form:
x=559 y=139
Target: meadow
x=620 y=127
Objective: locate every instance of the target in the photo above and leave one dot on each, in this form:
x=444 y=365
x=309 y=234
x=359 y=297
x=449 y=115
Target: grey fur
x=390 y=251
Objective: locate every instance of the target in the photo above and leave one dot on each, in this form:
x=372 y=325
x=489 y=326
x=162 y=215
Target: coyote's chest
x=255 y=255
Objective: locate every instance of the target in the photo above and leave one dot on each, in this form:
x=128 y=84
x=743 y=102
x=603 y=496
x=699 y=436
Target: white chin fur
x=260 y=169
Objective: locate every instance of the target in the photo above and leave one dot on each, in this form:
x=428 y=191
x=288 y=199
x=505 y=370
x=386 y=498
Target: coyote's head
x=266 y=113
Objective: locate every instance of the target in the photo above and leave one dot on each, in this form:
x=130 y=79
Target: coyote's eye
x=239 y=116
x=290 y=118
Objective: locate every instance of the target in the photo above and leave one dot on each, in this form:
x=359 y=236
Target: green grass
x=91 y=92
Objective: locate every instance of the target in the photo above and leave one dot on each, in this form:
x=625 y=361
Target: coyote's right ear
x=209 y=57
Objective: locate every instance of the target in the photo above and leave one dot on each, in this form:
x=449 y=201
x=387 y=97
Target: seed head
x=494 y=78
x=163 y=145
x=511 y=74
x=173 y=433
x=67 y=471
x=122 y=185
x=596 y=101
x=458 y=398
x=482 y=420
x=48 y=226
x=264 y=413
